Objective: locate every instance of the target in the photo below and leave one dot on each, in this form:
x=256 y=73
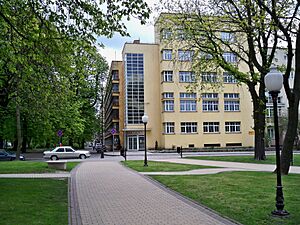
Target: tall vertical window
x=169 y=128
x=230 y=57
x=188 y=102
x=209 y=77
x=211 y=127
x=167 y=54
x=189 y=127
x=168 y=105
x=185 y=55
x=231 y=102
x=210 y=102
x=186 y=76
x=229 y=78
x=232 y=127
x=134 y=78
x=167 y=76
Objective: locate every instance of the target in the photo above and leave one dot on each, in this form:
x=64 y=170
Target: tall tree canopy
x=49 y=66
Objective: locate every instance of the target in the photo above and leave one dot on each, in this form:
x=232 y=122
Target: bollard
x=102 y=154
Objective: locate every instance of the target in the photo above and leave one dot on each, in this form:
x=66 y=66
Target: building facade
x=157 y=80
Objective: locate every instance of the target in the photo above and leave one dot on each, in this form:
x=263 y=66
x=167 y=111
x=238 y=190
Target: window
x=231 y=95
x=210 y=102
x=270 y=100
x=168 y=76
x=188 y=95
x=188 y=102
x=229 y=78
x=211 y=127
x=168 y=105
x=209 y=77
x=169 y=128
x=186 y=76
x=166 y=34
x=167 y=54
x=270 y=111
x=188 y=105
x=230 y=57
x=134 y=80
x=189 y=127
x=185 y=55
x=227 y=36
x=168 y=95
x=232 y=127
x=181 y=35
x=60 y=150
x=205 y=55
x=231 y=106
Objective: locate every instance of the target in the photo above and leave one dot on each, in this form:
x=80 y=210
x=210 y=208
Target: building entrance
x=135 y=142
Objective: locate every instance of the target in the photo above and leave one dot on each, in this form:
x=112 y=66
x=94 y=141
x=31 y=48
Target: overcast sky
x=144 y=33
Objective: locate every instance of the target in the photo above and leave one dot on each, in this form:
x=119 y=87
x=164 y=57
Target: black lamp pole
x=279 y=193
x=145 y=138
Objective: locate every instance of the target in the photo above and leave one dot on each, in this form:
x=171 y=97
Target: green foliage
x=50 y=67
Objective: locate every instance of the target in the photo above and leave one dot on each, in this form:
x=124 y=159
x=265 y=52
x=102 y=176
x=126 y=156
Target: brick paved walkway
x=108 y=193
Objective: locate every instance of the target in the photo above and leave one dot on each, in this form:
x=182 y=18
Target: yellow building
x=155 y=80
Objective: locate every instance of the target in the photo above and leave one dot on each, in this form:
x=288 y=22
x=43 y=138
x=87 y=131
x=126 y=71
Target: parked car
x=9 y=156
x=99 y=147
x=66 y=152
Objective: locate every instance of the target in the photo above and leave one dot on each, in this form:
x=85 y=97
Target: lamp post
x=273 y=82
x=145 y=121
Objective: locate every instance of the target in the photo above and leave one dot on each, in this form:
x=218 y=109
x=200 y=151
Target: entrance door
x=132 y=143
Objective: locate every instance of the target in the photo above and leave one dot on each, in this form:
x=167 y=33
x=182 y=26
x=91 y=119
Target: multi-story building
x=156 y=78
x=113 y=109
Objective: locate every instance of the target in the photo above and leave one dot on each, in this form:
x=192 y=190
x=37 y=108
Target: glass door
x=132 y=143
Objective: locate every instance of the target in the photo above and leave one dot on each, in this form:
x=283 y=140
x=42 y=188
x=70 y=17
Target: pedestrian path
x=232 y=165
x=104 y=192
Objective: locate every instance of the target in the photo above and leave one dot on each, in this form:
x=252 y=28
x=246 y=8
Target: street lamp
x=145 y=121
x=273 y=82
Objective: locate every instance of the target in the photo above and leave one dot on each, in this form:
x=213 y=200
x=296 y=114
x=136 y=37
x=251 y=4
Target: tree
x=250 y=33
x=37 y=42
x=286 y=17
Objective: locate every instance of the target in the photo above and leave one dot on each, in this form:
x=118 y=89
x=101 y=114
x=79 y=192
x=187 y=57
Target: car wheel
x=82 y=157
x=54 y=157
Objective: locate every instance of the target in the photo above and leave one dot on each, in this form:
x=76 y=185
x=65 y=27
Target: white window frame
x=229 y=78
x=188 y=127
x=166 y=34
x=227 y=36
x=169 y=128
x=185 y=55
x=230 y=57
x=210 y=105
x=186 y=77
x=168 y=95
x=188 y=105
x=231 y=105
x=209 y=77
x=211 y=127
x=167 y=76
x=233 y=127
x=168 y=105
x=167 y=54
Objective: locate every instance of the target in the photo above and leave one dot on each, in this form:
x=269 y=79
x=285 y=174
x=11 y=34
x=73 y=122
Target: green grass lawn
x=30 y=167
x=247 y=197
x=271 y=159
x=153 y=166
x=34 y=201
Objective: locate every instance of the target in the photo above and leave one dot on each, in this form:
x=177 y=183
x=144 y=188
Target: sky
x=145 y=33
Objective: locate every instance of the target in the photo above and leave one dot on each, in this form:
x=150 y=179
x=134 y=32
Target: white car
x=66 y=152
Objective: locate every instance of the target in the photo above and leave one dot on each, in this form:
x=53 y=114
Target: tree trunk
x=259 y=128
x=82 y=144
x=289 y=139
x=1 y=142
x=24 y=142
x=19 y=134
